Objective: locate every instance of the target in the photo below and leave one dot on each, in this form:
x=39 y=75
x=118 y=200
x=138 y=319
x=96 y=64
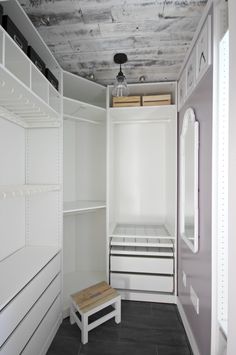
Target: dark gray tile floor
x=145 y=329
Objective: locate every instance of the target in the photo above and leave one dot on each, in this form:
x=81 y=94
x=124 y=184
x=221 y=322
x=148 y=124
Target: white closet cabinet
x=141 y=193
x=84 y=184
x=30 y=197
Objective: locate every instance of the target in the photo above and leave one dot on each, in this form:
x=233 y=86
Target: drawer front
x=21 y=304
x=21 y=335
x=142 y=282
x=41 y=339
x=142 y=264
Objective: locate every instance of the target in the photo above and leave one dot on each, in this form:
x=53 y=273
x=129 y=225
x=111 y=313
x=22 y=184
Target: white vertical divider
x=220 y=25
x=222 y=226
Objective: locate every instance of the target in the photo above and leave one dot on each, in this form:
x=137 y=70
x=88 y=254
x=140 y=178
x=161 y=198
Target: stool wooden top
x=93 y=296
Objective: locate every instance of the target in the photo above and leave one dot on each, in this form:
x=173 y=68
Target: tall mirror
x=189 y=142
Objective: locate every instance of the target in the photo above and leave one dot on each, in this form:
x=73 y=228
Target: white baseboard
x=188 y=329
x=146 y=296
x=66 y=313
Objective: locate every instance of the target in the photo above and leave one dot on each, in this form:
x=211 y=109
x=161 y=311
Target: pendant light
x=120 y=85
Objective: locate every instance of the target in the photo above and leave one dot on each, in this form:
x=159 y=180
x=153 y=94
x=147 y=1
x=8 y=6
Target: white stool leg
x=84 y=328
x=118 y=311
x=72 y=319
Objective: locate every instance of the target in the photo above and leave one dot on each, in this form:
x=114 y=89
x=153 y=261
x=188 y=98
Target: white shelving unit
x=82 y=111
x=30 y=194
x=84 y=185
x=142 y=196
x=25 y=99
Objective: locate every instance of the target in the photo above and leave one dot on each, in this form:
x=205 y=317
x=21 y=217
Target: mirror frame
x=189 y=118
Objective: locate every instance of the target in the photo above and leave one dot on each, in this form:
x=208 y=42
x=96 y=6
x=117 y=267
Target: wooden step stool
x=91 y=300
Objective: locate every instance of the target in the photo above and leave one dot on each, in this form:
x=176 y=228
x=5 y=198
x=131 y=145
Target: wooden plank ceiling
x=84 y=35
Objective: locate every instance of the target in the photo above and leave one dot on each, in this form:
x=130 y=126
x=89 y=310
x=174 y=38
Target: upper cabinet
x=197 y=64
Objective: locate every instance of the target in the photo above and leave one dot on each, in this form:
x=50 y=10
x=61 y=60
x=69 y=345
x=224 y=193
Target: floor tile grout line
x=156 y=349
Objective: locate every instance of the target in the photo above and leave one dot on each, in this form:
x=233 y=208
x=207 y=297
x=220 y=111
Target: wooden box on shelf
x=156 y=100
x=126 y=101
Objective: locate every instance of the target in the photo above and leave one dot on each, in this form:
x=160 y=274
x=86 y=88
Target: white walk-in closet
x=89 y=192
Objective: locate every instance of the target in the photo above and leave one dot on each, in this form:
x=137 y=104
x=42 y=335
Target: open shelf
x=22 y=106
x=139 y=245
x=144 y=231
x=17 y=270
x=9 y=191
x=82 y=206
x=25 y=92
x=142 y=242
x=142 y=114
x=78 y=110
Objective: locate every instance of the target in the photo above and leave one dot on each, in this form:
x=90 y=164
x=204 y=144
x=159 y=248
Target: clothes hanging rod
x=81 y=119
x=143 y=121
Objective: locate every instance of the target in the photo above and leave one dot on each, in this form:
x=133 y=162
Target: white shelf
x=22 y=106
x=21 y=267
x=142 y=114
x=10 y=191
x=82 y=206
x=142 y=242
x=78 y=110
x=141 y=231
x=142 y=251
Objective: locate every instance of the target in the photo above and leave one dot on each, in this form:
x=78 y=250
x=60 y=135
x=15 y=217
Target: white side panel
x=141 y=264
x=171 y=177
x=43 y=219
x=12 y=226
x=222 y=196
x=40 y=341
x=69 y=244
x=18 y=339
x=142 y=282
x=42 y=156
x=91 y=241
x=90 y=162
x=12 y=159
x=84 y=251
x=139 y=173
x=232 y=179
x=14 y=312
x=69 y=161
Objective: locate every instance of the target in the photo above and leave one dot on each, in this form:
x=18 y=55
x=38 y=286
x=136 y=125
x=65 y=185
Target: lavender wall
x=198 y=266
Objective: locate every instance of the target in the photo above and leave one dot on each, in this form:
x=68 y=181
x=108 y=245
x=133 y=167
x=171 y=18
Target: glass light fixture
x=120 y=85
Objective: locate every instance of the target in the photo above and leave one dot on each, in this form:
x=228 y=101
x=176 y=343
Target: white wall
x=140 y=173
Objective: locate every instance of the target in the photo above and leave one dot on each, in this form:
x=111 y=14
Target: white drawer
x=43 y=336
x=142 y=282
x=15 y=311
x=142 y=264
x=21 y=335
